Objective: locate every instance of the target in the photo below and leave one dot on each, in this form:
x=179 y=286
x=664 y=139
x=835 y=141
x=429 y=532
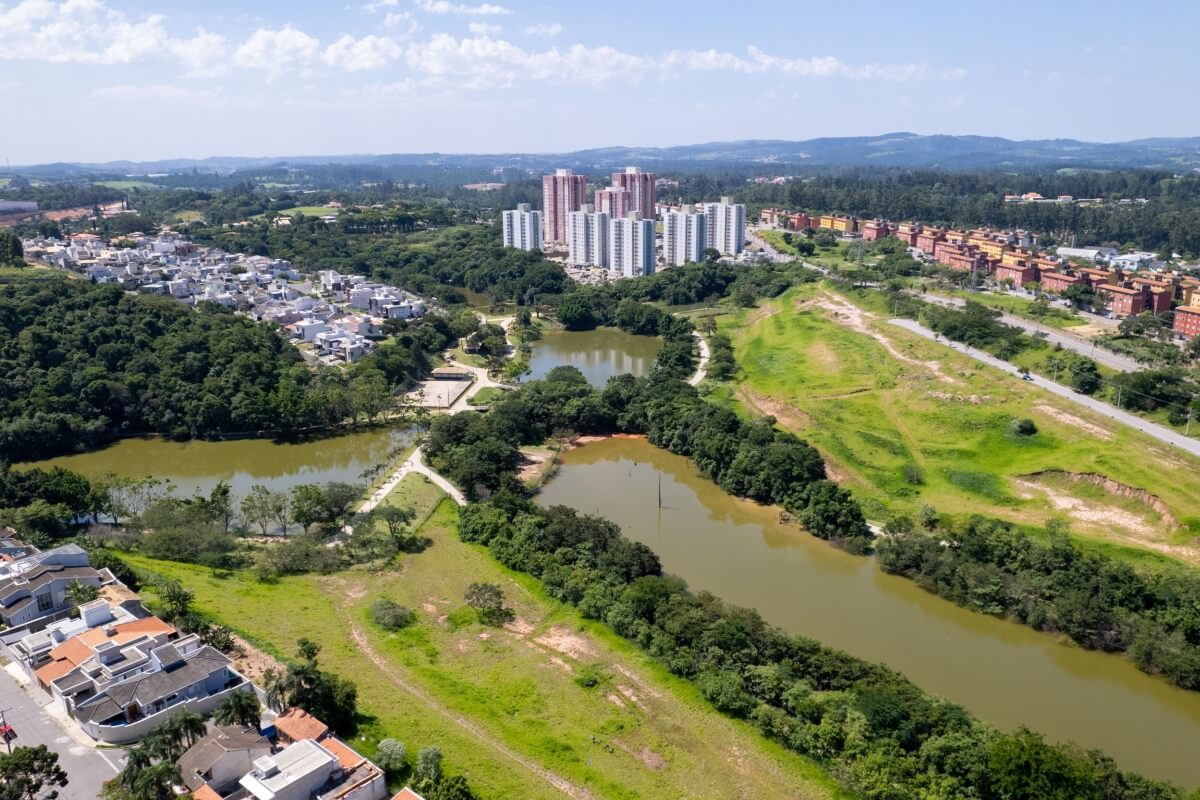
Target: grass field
x=128 y=184
x=1058 y=317
x=308 y=211
x=188 y=216
x=487 y=394
x=507 y=706
x=905 y=422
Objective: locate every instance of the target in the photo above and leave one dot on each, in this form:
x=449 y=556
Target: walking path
x=1152 y=429
x=702 y=365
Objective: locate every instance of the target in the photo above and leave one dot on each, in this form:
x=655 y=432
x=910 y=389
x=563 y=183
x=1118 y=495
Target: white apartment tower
x=631 y=245
x=726 y=223
x=523 y=228
x=684 y=236
x=587 y=237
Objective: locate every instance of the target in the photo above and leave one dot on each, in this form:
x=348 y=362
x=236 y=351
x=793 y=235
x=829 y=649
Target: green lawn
x=188 y=216
x=1058 y=317
x=947 y=419
x=487 y=394
x=309 y=211
x=503 y=704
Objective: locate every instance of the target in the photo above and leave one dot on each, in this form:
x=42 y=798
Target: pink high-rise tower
x=562 y=193
x=640 y=186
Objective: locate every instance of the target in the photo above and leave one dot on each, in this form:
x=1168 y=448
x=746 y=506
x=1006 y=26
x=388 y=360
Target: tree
x=218 y=506
x=176 y=600
x=81 y=593
x=308 y=505
x=30 y=773
x=391 y=756
x=188 y=725
x=429 y=766
x=396 y=520
x=239 y=708
x=264 y=508
x=391 y=615
x=11 y=252
x=488 y=601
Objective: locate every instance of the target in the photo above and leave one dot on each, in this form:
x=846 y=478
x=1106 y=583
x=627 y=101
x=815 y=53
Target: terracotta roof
x=77 y=649
x=297 y=724
x=347 y=757
x=407 y=794
x=205 y=792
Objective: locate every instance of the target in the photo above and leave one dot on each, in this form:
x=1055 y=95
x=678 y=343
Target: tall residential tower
x=726 y=223
x=684 y=236
x=640 y=186
x=562 y=193
x=523 y=228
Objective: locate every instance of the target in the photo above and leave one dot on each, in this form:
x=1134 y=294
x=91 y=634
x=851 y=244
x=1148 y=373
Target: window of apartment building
x=45 y=602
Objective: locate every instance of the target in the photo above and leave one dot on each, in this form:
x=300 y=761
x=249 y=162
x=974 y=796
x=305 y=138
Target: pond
x=1005 y=673
x=599 y=354
x=198 y=466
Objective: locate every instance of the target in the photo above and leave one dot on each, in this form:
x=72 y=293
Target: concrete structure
x=640 y=186
x=1187 y=321
x=306 y=769
x=587 y=237
x=725 y=224
x=631 y=251
x=685 y=236
x=33 y=590
x=616 y=201
x=17 y=206
x=562 y=193
x=1087 y=253
x=523 y=228
x=221 y=758
x=1123 y=301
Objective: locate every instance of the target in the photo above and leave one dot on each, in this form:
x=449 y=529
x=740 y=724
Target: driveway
x=87 y=767
x=1159 y=432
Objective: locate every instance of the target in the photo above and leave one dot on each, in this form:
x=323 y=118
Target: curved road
x=702 y=364
x=1152 y=429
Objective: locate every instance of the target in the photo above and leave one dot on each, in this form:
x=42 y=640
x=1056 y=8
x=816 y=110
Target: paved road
x=86 y=767
x=1065 y=338
x=1159 y=432
x=772 y=253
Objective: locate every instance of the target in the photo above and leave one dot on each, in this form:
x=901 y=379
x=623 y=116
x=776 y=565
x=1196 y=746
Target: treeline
x=53 y=196
x=1100 y=602
x=82 y=364
x=1171 y=218
x=877 y=732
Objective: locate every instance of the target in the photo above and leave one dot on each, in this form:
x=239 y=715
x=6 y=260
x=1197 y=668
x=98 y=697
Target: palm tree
x=240 y=708
x=278 y=687
x=137 y=760
x=157 y=782
x=189 y=726
x=81 y=593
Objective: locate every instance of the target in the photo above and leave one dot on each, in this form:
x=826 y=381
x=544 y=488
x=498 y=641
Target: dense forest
x=1098 y=601
x=81 y=364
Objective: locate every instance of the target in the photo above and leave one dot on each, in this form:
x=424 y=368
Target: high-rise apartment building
x=684 y=236
x=562 y=193
x=523 y=228
x=587 y=237
x=726 y=226
x=640 y=186
x=616 y=201
x=631 y=251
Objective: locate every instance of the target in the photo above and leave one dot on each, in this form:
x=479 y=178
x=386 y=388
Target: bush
x=390 y=615
x=488 y=601
x=913 y=474
x=391 y=756
x=1024 y=427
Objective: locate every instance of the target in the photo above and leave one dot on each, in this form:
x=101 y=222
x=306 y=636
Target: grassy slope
x=505 y=685
x=871 y=414
x=1058 y=317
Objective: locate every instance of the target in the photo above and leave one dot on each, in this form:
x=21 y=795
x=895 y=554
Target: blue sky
x=104 y=79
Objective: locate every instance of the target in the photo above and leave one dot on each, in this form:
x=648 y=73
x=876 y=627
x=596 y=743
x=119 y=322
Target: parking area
x=87 y=767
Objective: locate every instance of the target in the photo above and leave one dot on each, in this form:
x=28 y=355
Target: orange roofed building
x=74 y=651
x=296 y=724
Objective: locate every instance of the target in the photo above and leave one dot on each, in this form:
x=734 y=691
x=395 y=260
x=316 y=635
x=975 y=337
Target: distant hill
x=891 y=150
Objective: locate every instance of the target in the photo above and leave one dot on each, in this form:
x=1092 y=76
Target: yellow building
x=838 y=222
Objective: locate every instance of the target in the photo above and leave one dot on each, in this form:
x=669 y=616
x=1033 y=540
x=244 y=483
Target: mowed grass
x=874 y=415
x=309 y=211
x=503 y=704
x=128 y=184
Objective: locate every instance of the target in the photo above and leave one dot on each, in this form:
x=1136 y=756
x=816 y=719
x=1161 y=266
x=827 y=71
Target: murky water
x=198 y=466
x=1005 y=673
x=598 y=354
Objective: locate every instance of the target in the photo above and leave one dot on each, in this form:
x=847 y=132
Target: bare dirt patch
x=1068 y=418
x=562 y=640
x=519 y=627
x=1087 y=511
x=650 y=759
x=252 y=662
x=855 y=318
x=631 y=696
x=786 y=415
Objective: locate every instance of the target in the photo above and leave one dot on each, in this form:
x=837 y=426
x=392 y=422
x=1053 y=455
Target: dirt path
x=853 y=317
x=396 y=679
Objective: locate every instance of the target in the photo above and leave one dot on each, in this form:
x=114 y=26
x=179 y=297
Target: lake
x=1005 y=673
x=599 y=354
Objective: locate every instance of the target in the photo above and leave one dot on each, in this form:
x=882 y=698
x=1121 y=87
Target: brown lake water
x=599 y=354
x=1005 y=673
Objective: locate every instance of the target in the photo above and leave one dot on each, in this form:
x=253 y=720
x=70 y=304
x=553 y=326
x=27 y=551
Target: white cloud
x=483 y=62
x=547 y=29
x=369 y=52
x=484 y=29
x=461 y=10
x=401 y=21
x=205 y=54
x=84 y=31
x=757 y=62
x=379 y=5
x=276 y=52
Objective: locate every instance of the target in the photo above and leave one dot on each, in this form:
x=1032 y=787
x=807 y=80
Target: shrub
x=913 y=474
x=391 y=756
x=488 y=601
x=1024 y=427
x=391 y=615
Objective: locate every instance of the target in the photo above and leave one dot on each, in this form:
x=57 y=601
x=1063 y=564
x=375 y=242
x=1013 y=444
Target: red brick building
x=1123 y=302
x=1019 y=275
x=907 y=233
x=1058 y=282
x=1187 y=321
x=875 y=229
x=928 y=238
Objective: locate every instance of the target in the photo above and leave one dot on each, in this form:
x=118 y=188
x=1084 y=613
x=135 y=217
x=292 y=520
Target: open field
x=904 y=422
x=128 y=184
x=1058 y=316
x=188 y=216
x=510 y=707
x=308 y=211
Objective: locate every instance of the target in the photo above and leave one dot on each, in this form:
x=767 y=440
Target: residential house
x=220 y=759
x=33 y=590
x=304 y=770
